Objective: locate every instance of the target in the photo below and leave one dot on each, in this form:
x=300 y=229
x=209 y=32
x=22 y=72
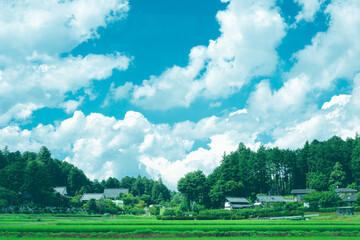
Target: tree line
x=320 y=165
x=36 y=175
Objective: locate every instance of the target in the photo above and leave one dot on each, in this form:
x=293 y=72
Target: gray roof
x=302 y=191
x=270 y=199
x=240 y=205
x=345 y=190
x=88 y=196
x=237 y=200
x=114 y=192
x=351 y=198
x=60 y=190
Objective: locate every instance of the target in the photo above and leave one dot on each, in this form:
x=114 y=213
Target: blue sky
x=161 y=88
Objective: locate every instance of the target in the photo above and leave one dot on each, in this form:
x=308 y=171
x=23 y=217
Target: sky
x=161 y=88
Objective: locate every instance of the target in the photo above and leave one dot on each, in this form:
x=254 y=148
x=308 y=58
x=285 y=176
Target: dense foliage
x=34 y=176
x=245 y=173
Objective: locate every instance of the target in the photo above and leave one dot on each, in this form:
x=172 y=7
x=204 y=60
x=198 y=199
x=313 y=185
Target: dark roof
x=302 y=191
x=237 y=200
x=345 y=190
x=88 y=196
x=351 y=198
x=114 y=192
x=270 y=198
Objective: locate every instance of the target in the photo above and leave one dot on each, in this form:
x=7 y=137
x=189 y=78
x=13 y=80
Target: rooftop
x=302 y=191
x=270 y=198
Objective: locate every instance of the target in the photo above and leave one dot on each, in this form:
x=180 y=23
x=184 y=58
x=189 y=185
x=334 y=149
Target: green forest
x=36 y=174
x=244 y=173
x=320 y=165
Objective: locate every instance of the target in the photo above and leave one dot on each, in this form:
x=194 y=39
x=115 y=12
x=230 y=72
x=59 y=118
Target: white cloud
x=250 y=32
x=52 y=27
x=71 y=105
x=33 y=34
x=308 y=9
x=340 y=100
x=118 y=93
x=104 y=146
x=335 y=53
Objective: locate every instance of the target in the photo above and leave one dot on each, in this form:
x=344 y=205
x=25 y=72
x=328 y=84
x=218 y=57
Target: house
x=112 y=193
x=345 y=191
x=87 y=196
x=300 y=193
x=345 y=211
x=236 y=203
x=261 y=200
x=351 y=198
x=61 y=190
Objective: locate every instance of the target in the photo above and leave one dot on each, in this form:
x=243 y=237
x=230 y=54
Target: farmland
x=92 y=227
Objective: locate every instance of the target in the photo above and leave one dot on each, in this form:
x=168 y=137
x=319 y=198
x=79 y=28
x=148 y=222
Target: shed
x=300 y=193
x=345 y=211
x=112 y=193
x=87 y=196
x=236 y=203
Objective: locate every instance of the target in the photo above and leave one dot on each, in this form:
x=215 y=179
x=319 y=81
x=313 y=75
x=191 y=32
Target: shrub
x=169 y=212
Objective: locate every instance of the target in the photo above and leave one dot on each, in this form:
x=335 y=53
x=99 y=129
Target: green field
x=327 y=226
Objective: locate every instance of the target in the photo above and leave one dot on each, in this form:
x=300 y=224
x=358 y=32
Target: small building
x=236 y=203
x=345 y=211
x=87 y=196
x=300 y=193
x=112 y=193
x=262 y=199
x=61 y=190
x=351 y=198
x=345 y=191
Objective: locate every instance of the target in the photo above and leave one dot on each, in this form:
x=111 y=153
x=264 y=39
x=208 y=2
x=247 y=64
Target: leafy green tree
x=3 y=160
x=317 y=180
x=91 y=206
x=313 y=199
x=337 y=176
x=75 y=201
x=8 y=196
x=146 y=198
x=329 y=199
x=36 y=182
x=76 y=180
x=355 y=163
x=217 y=195
x=194 y=187
x=139 y=186
x=105 y=205
x=111 y=182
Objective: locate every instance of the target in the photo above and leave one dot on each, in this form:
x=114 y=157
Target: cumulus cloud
x=308 y=9
x=33 y=35
x=105 y=146
x=335 y=53
x=250 y=32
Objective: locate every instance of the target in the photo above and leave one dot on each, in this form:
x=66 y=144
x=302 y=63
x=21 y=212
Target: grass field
x=327 y=226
